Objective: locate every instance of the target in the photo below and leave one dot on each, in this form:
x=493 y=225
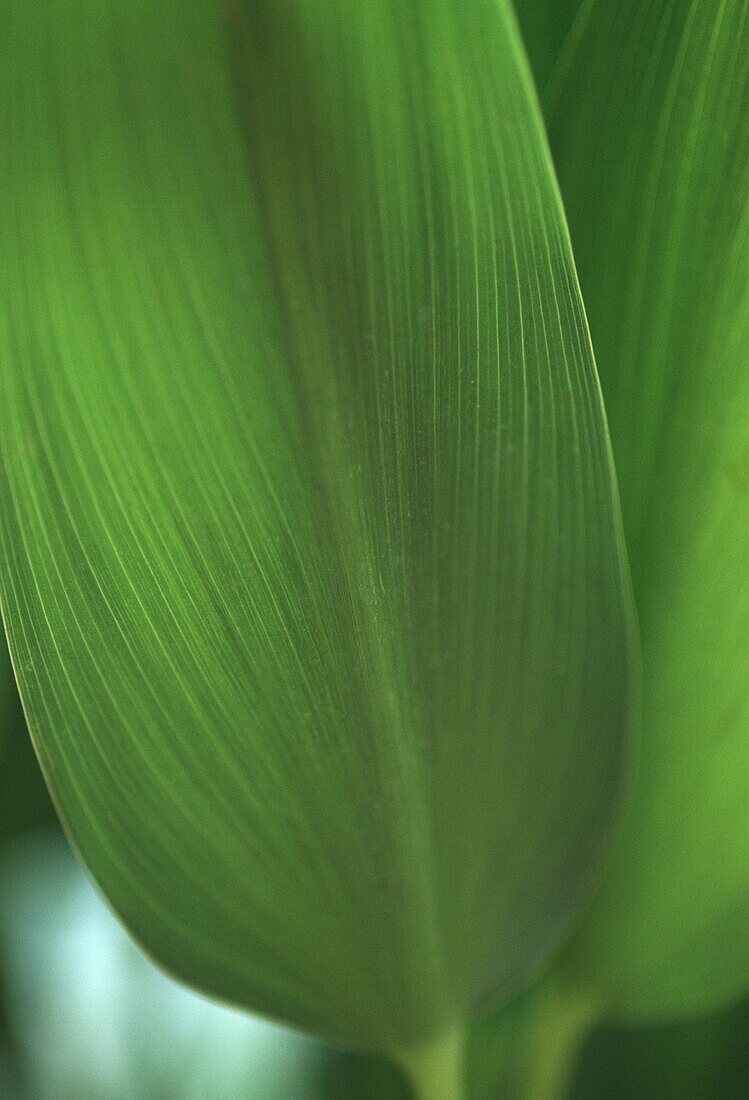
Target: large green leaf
x=315 y=584
x=651 y=134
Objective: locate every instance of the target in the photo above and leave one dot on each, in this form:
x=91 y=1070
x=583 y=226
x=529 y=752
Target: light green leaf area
x=651 y=134
x=315 y=587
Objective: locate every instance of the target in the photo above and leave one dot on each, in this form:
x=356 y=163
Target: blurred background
x=85 y=1016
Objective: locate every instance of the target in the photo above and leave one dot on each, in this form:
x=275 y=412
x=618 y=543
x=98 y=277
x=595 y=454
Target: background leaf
x=650 y=132
x=315 y=585
x=546 y=27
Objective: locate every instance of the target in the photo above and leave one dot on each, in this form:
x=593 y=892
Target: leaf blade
x=281 y=626
x=651 y=145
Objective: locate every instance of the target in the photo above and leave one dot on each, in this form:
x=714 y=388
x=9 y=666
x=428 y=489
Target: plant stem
x=559 y=1028
x=435 y=1069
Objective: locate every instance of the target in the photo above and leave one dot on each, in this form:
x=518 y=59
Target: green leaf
x=315 y=584
x=651 y=136
x=546 y=26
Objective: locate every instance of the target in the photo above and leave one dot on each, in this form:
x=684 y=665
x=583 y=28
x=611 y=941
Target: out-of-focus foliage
x=24 y=800
x=650 y=133
x=703 y=1060
x=24 y=805
x=546 y=26
x=8 y=694
x=94 y=1020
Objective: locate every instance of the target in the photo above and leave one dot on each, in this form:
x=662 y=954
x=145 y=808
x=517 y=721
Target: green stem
x=435 y=1069
x=559 y=1028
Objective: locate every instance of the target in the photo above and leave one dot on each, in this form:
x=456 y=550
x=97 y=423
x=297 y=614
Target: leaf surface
x=315 y=591
x=546 y=26
x=650 y=131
